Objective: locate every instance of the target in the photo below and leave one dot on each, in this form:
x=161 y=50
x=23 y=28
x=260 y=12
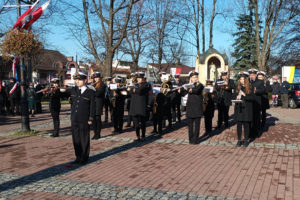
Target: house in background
x=153 y=70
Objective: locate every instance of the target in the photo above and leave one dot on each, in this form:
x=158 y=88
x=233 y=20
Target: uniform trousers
x=139 y=124
x=97 y=126
x=255 y=125
x=107 y=107
x=176 y=111
x=157 y=123
x=81 y=140
x=263 y=117
x=246 y=126
x=194 y=129
x=117 y=118
x=14 y=105
x=223 y=114
x=56 y=122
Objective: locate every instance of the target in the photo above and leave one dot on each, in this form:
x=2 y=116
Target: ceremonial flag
x=21 y=21
x=36 y=14
x=14 y=65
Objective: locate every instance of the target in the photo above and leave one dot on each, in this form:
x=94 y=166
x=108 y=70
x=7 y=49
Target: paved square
x=167 y=167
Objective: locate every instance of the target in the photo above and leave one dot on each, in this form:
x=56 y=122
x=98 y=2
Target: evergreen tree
x=244 y=45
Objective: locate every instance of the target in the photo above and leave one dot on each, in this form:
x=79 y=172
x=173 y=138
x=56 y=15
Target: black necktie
x=79 y=91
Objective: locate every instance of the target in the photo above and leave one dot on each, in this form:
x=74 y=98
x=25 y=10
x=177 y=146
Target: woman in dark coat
x=209 y=106
x=243 y=111
x=99 y=98
x=138 y=107
x=194 y=108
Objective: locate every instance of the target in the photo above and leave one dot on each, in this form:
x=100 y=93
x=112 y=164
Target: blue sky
x=59 y=38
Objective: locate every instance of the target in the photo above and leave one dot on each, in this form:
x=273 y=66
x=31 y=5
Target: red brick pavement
x=27 y=155
x=33 y=195
x=247 y=173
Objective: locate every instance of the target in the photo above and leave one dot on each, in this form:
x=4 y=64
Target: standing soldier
x=258 y=88
x=157 y=105
x=117 y=101
x=55 y=104
x=176 y=99
x=39 y=95
x=139 y=101
x=225 y=89
x=194 y=108
x=13 y=93
x=133 y=82
x=209 y=96
x=82 y=114
x=264 y=98
x=100 y=98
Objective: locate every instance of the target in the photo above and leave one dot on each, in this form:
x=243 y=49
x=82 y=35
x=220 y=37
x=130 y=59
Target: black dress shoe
x=96 y=137
x=245 y=143
x=239 y=143
x=83 y=162
x=154 y=132
x=54 y=135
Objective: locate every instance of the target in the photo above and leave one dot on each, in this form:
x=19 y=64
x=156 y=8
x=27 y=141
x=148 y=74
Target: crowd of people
x=159 y=103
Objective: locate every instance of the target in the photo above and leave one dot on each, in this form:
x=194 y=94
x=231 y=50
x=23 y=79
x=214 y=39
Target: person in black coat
x=225 y=90
x=167 y=91
x=107 y=104
x=243 y=111
x=39 y=95
x=264 y=98
x=117 y=100
x=133 y=81
x=209 y=98
x=55 y=96
x=194 y=107
x=258 y=89
x=100 y=88
x=82 y=115
x=275 y=91
x=284 y=92
x=176 y=99
x=13 y=92
x=138 y=107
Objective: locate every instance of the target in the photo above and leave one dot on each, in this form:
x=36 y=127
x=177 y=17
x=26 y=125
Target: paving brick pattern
x=167 y=167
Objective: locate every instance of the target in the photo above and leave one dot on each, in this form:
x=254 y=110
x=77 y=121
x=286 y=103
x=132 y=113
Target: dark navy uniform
x=83 y=111
x=13 y=96
x=157 y=105
x=209 y=108
x=117 y=101
x=176 y=102
x=100 y=100
x=138 y=107
x=54 y=105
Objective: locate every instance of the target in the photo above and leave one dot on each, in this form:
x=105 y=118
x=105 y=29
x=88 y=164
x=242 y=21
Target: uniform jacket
x=225 y=95
x=119 y=100
x=265 y=98
x=209 y=103
x=139 y=100
x=176 y=96
x=83 y=105
x=100 y=99
x=259 y=91
x=194 y=106
x=54 y=99
x=244 y=111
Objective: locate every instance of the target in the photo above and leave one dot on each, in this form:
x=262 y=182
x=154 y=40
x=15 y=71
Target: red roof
x=165 y=67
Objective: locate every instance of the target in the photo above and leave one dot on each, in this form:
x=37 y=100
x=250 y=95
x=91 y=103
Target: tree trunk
x=108 y=63
x=211 y=25
x=203 y=27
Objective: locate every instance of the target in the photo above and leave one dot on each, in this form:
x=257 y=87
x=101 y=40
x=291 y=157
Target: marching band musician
x=209 y=105
x=54 y=104
x=99 y=98
x=194 y=108
x=138 y=106
x=176 y=99
x=243 y=111
x=225 y=89
x=117 y=101
x=133 y=81
x=264 y=98
x=258 y=88
x=82 y=114
x=167 y=91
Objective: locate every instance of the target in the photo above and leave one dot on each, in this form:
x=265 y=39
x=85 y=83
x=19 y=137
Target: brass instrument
x=165 y=87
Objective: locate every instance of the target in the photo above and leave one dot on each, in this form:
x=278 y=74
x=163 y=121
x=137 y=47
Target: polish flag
x=22 y=20
x=37 y=14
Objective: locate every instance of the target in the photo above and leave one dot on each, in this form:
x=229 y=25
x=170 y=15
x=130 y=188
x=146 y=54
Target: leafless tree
x=275 y=15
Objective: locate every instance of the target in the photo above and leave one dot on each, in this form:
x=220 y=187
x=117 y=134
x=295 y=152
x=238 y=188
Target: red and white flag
x=36 y=14
x=14 y=65
x=22 y=20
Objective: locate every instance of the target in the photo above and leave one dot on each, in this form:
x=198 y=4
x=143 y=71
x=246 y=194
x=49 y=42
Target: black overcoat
x=194 y=106
x=243 y=112
x=139 y=100
x=100 y=98
x=225 y=95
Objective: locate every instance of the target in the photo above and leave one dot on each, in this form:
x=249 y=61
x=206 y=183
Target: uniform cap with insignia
x=108 y=78
x=55 y=80
x=209 y=82
x=243 y=74
x=252 y=71
x=193 y=73
x=224 y=73
x=80 y=76
x=261 y=73
x=140 y=74
x=97 y=74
